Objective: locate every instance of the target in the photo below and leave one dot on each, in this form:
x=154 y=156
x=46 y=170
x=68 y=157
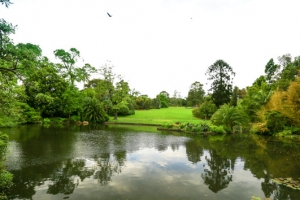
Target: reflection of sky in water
x=130 y=165
x=152 y=174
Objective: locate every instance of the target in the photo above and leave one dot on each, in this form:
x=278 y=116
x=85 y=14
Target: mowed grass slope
x=159 y=116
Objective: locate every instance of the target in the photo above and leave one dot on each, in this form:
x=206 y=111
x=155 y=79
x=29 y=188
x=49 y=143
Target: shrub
x=6 y=121
x=260 y=128
x=275 y=121
x=283 y=133
x=205 y=111
x=93 y=111
x=47 y=121
x=217 y=129
x=229 y=116
x=74 y=118
x=122 y=111
x=167 y=125
x=5 y=176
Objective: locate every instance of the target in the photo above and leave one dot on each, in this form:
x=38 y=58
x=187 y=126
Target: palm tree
x=93 y=110
x=230 y=116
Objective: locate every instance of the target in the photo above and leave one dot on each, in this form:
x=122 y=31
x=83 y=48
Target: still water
x=130 y=162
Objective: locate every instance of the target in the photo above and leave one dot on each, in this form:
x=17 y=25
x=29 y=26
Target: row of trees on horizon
x=33 y=88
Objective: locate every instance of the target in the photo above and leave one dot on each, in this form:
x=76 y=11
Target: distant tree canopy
x=196 y=94
x=163 y=99
x=221 y=74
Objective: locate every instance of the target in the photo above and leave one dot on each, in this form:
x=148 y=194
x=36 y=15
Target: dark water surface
x=129 y=162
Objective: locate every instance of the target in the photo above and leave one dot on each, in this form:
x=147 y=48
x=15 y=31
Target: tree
x=221 y=74
x=234 y=98
x=206 y=110
x=72 y=101
x=163 y=99
x=68 y=69
x=5 y=30
x=270 y=70
x=116 y=97
x=196 y=94
x=44 y=89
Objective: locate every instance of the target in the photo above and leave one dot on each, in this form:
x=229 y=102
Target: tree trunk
x=116 y=115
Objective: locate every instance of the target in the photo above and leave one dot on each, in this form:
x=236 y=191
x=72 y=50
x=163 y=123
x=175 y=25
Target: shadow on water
x=61 y=160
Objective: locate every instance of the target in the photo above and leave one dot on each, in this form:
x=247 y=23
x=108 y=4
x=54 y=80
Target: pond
x=132 y=162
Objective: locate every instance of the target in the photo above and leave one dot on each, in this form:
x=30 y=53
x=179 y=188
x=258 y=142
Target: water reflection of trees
x=106 y=167
x=264 y=157
x=218 y=173
x=64 y=180
x=194 y=151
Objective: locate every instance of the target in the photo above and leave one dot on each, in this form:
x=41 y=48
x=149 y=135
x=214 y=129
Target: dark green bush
x=205 y=111
x=275 y=121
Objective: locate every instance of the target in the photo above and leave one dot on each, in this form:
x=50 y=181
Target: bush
x=205 y=111
x=275 y=121
x=74 y=118
x=260 y=128
x=283 y=133
x=167 y=125
x=93 y=111
x=217 y=129
x=47 y=121
x=5 y=176
x=6 y=121
x=230 y=116
x=123 y=111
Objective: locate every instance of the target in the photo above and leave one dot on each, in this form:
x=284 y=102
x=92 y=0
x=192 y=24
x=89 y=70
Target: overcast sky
x=163 y=44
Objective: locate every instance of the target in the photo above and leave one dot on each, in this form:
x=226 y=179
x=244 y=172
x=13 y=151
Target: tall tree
x=163 y=99
x=270 y=70
x=235 y=95
x=196 y=94
x=221 y=74
x=45 y=89
x=116 y=97
x=68 y=69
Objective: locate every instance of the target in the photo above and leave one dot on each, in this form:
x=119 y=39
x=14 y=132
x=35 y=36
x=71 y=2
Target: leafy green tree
x=44 y=89
x=230 y=116
x=206 y=110
x=289 y=73
x=196 y=94
x=270 y=70
x=17 y=59
x=143 y=102
x=234 y=97
x=67 y=67
x=257 y=96
x=221 y=74
x=5 y=30
x=115 y=97
x=72 y=100
x=163 y=99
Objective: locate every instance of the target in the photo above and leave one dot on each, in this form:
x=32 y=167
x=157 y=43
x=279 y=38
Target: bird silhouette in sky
x=109 y=15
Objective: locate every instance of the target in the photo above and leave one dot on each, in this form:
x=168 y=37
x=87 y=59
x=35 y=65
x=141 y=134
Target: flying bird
x=109 y=15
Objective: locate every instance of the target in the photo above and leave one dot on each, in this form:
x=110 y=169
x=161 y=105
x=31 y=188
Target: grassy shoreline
x=157 y=117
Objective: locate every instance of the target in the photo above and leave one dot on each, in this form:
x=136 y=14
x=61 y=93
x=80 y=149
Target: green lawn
x=160 y=116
